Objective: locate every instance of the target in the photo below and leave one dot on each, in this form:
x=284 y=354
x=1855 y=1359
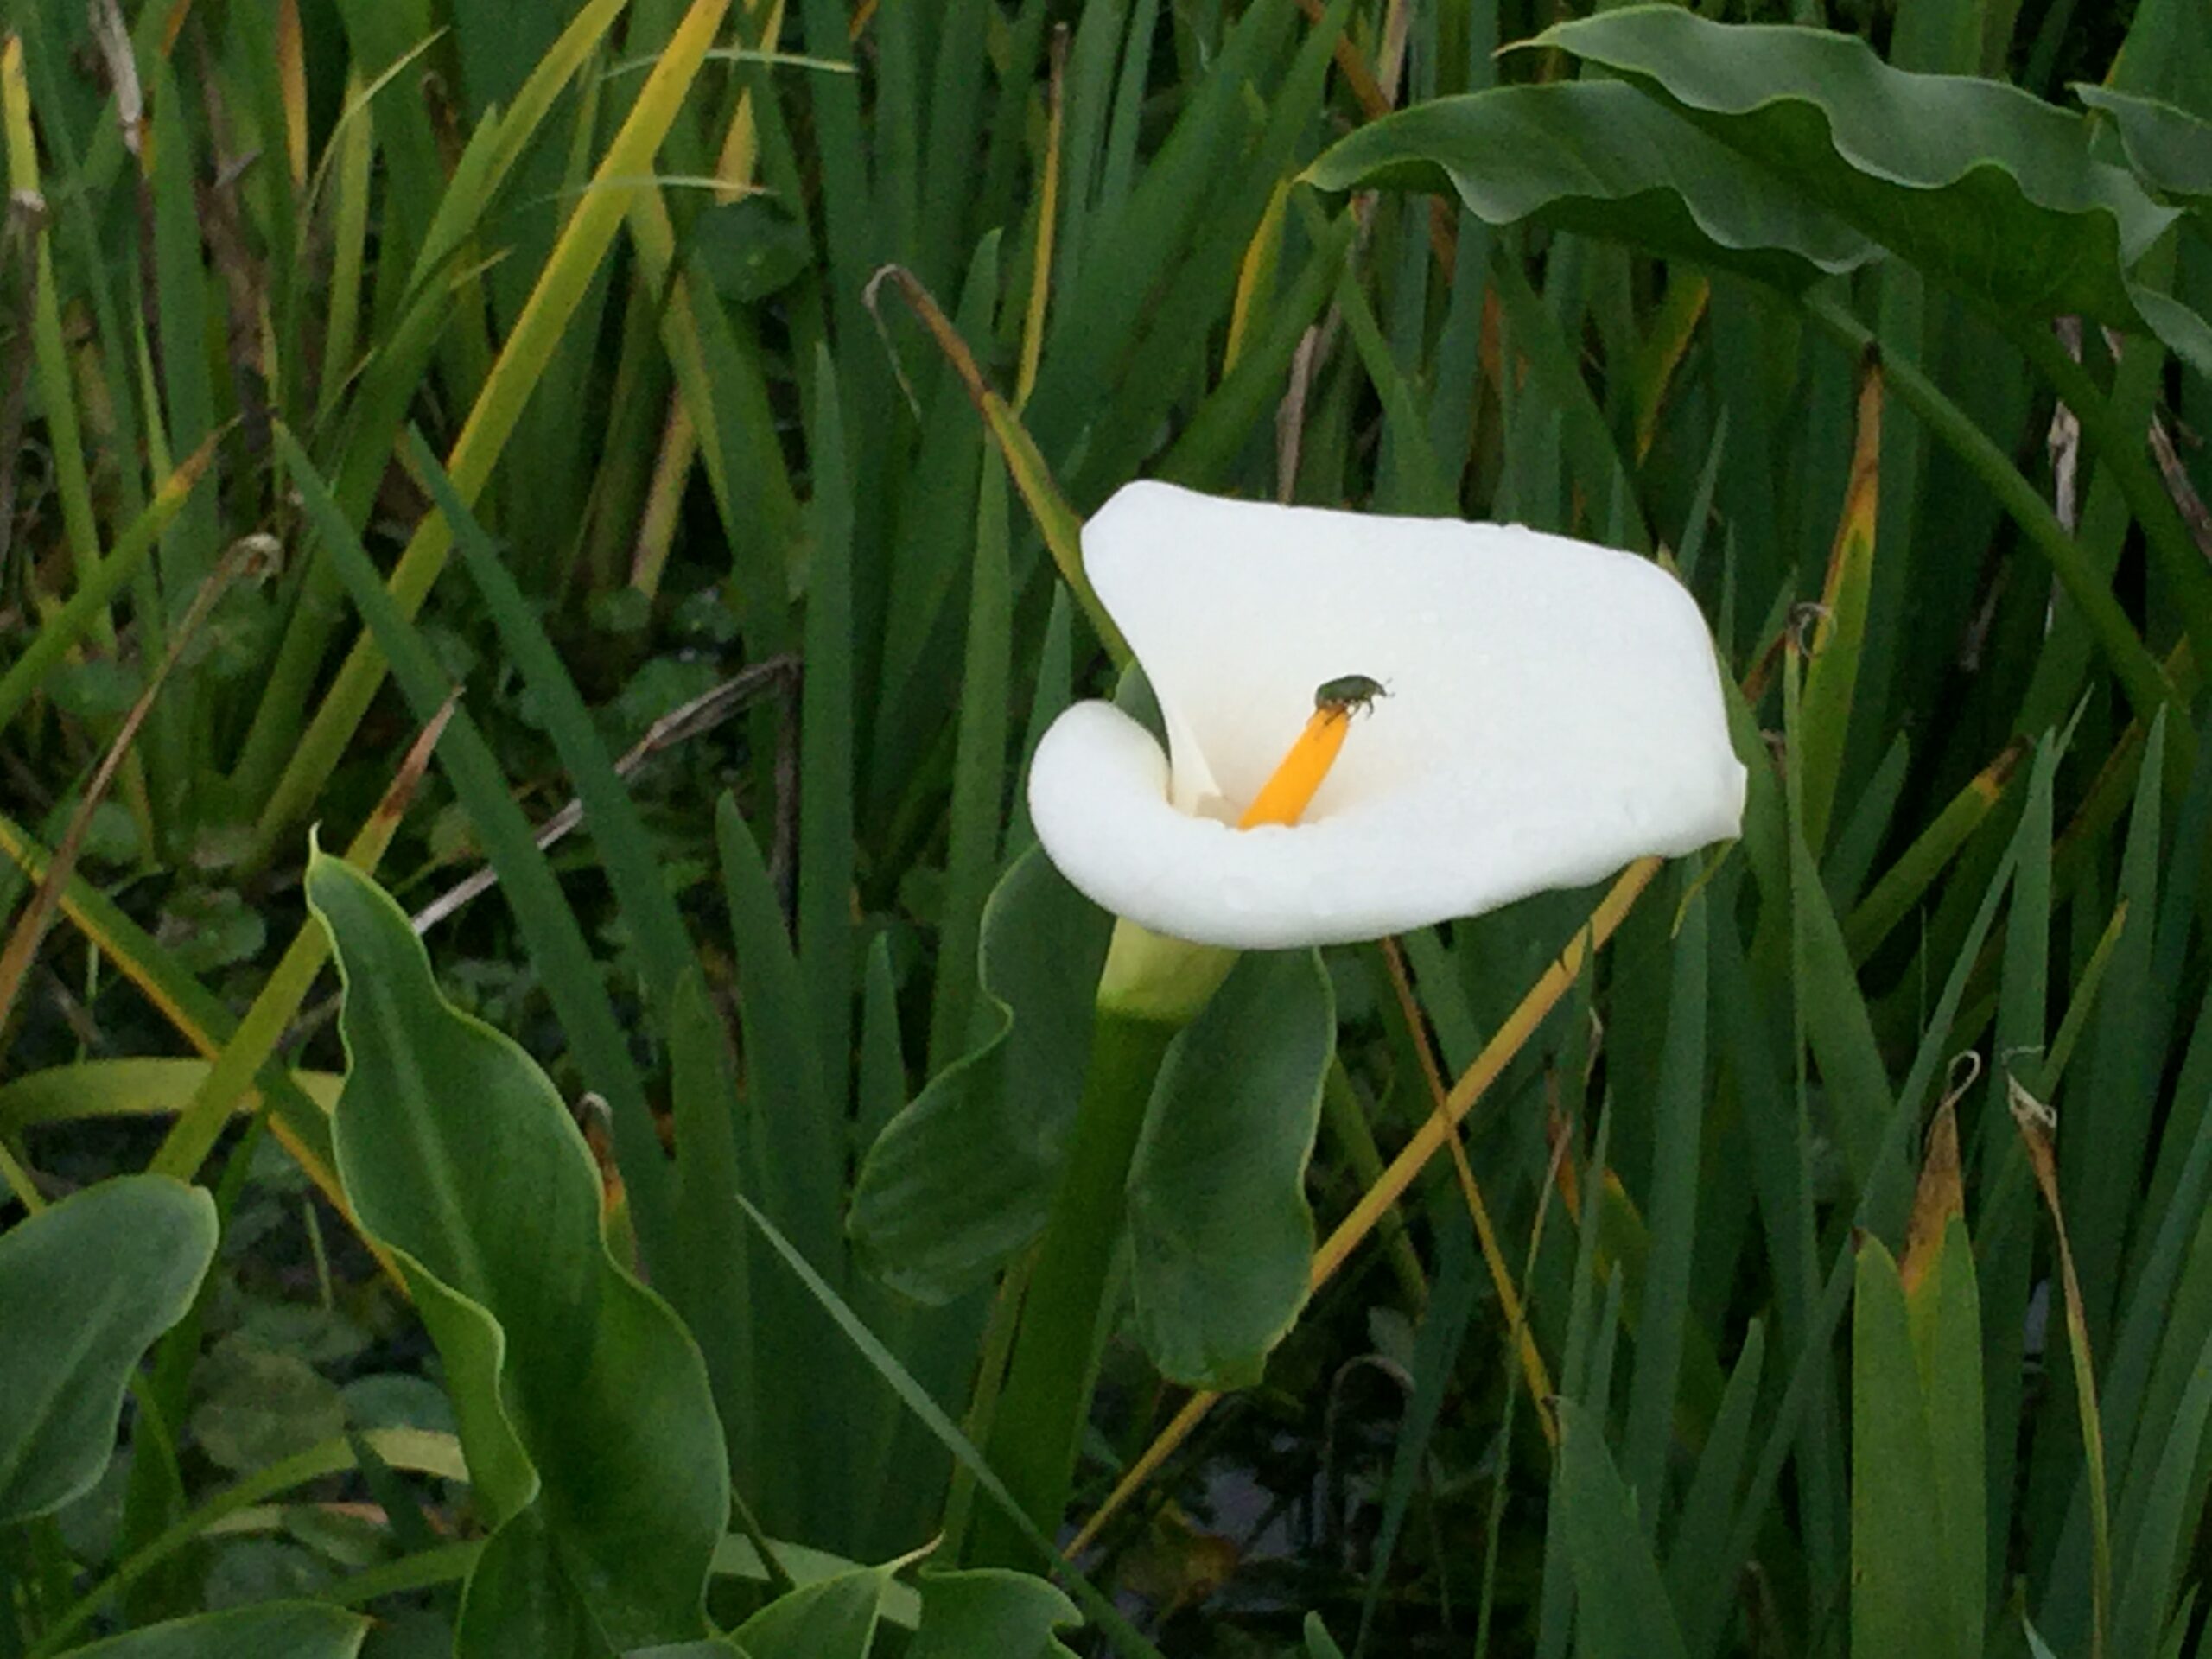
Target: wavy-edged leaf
x=1220 y=1233
x=276 y=1629
x=989 y=1610
x=85 y=1286
x=1601 y=158
x=963 y=1178
x=1981 y=185
x=2169 y=149
x=584 y=1407
x=833 y=1619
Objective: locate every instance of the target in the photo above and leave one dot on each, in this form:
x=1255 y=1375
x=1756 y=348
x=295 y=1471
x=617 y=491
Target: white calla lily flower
x=1550 y=710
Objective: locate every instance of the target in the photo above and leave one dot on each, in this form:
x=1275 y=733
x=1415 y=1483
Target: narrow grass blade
x=561 y=288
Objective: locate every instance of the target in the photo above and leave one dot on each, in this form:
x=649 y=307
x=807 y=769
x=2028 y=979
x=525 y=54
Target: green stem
x=1049 y=1379
x=2139 y=674
x=2123 y=453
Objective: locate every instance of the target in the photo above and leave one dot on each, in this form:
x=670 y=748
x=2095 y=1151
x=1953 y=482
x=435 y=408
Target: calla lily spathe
x=1553 y=710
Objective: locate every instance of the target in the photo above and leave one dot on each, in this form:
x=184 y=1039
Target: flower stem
x=1049 y=1380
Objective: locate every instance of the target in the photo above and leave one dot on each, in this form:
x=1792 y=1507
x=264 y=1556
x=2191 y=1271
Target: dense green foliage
x=1801 y=1249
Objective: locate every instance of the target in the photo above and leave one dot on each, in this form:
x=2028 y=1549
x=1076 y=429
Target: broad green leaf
x=963 y=1178
x=2169 y=149
x=833 y=1619
x=85 y=1286
x=278 y=1630
x=989 y=1611
x=584 y=1407
x=1982 y=185
x=1599 y=158
x=1623 y=1609
x=1220 y=1234
x=1899 y=1601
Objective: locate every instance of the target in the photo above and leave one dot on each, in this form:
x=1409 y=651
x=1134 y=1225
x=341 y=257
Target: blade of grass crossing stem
x=618 y=834
x=1832 y=676
x=978 y=774
x=1677 y=1136
x=193 y=1137
x=561 y=288
x=825 y=824
x=549 y=927
x=1117 y=1630
x=88 y=605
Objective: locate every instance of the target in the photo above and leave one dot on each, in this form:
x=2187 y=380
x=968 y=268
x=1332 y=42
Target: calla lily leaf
x=275 y=1630
x=1550 y=710
x=1986 y=188
x=1008 y=1615
x=962 y=1178
x=85 y=1286
x=1601 y=158
x=584 y=1407
x=1221 y=1235
x=2169 y=149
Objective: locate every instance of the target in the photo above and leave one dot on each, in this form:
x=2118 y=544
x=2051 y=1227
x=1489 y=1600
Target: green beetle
x=1348 y=694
